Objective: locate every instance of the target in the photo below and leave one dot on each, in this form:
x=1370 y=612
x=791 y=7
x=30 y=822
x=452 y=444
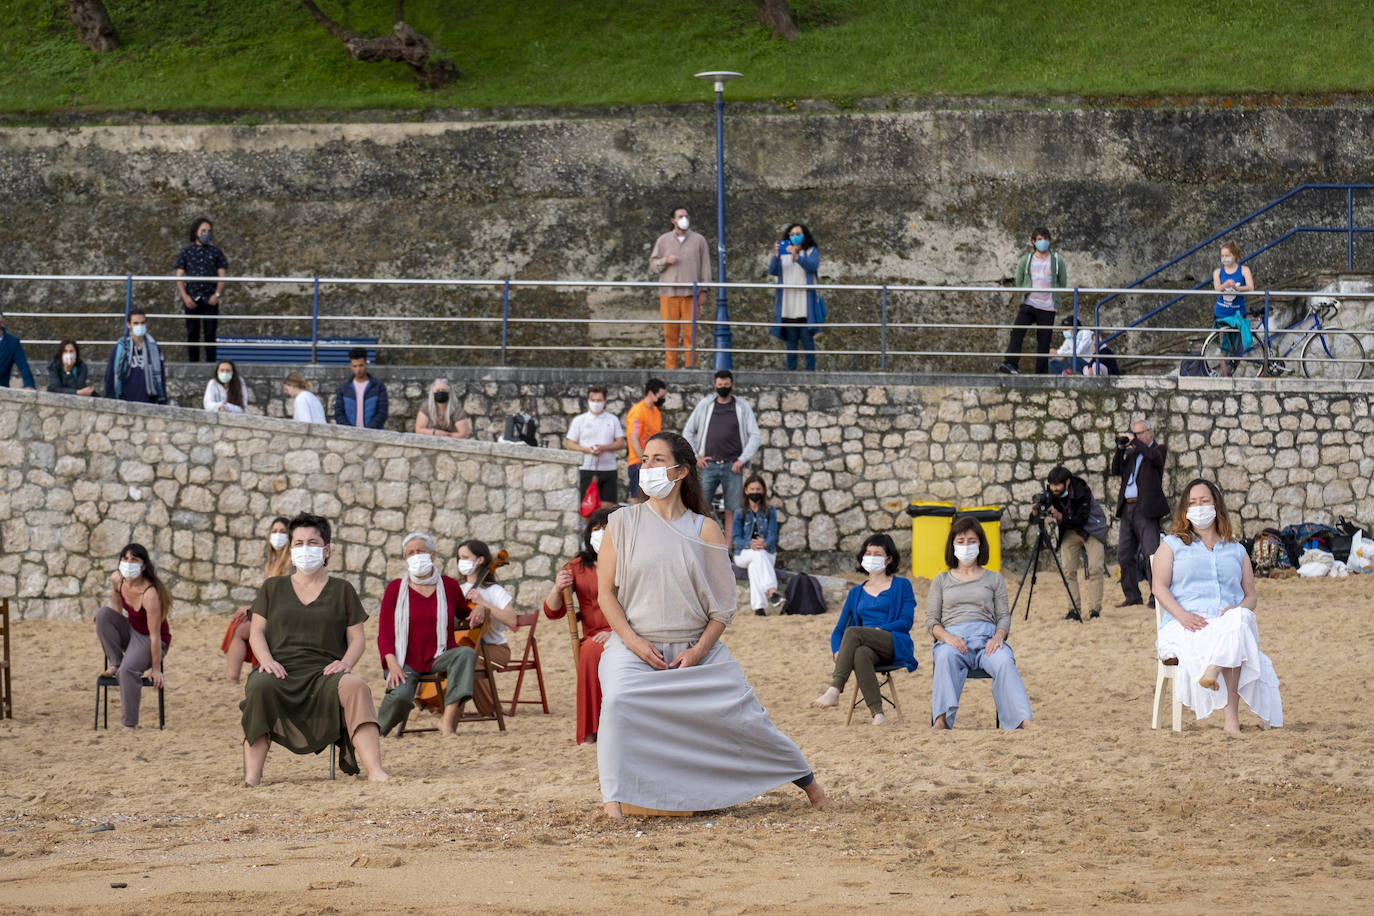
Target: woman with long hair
x=139 y=605
x=1203 y=579
x=226 y=391
x=681 y=729
x=491 y=605
x=755 y=540
x=305 y=406
x=235 y=644
x=580 y=575
x=441 y=415
x=67 y=371
x=796 y=261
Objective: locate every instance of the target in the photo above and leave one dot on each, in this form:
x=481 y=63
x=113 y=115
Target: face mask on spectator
x=724 y=391
x=655 y=483
x=138 y=330
x=225 y=377
x=130 y=569
x=69 y=359
x=596 y=406
x=420 y=565
x=466 y=567
x=307 y=558
x=797 y=239
x=874 y=564
x=1042 y=244
x=441 y=397
x=277 y=539
x=1202 y=516
x=682 y=223
x=205 y=236
x=597 y=537
x=966 y=553
x=1228 y=261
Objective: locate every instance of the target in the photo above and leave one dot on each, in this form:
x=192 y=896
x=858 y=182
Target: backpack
x=521 y=428
x=803 y=596
x=1268 y=553
x=1309 y=535
x=1193 y=366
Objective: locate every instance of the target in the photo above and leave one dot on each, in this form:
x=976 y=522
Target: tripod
x=1033 y=567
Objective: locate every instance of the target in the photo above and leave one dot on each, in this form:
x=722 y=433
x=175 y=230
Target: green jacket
x=1059 y=274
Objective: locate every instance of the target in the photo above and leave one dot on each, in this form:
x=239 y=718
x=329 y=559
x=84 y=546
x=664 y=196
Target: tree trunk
x=424 y=58
x=777 y=16
x=93 y=24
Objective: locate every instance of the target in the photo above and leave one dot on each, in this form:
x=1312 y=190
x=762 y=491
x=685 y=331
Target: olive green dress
x=301 y=712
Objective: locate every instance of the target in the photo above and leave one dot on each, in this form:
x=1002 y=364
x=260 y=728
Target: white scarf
x=401 y=618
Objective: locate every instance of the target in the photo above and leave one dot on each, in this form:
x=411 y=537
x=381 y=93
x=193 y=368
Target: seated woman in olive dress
x=307 y=634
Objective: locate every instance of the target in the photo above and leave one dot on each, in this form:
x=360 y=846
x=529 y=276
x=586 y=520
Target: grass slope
x=268 y=54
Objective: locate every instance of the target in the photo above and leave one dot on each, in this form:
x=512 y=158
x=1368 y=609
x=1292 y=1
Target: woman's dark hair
x=235 y=386
x=962 y=524
x=684 y=456
x=306 y=520
x=481 y=551
x=195 y=227
x=807 y=240
x=1040 y=232
x=597 y=519
x=1183 y=529
x=744 y=497
x=894 y=558
x=140 y=553
x=63 y=345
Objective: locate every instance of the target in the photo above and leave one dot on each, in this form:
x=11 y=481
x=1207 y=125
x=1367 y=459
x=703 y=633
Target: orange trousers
x=676 y=312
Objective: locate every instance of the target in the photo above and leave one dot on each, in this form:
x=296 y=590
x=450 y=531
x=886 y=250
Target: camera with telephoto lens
x=1040 y=505
x=1123 y=440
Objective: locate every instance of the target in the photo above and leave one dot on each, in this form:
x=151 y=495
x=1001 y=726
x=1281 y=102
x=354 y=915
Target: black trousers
x=605 y=482
x=1027 y=316
x=1139 y=536
x=202 y=323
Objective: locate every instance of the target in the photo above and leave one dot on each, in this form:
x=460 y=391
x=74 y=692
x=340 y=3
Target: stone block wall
x=82 y=478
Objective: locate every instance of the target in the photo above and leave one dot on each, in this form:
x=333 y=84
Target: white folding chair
x=1165 y=669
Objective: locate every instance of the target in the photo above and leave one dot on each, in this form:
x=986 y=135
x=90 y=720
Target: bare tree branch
x=426 y=60
x=777 y=16
x=93 y=24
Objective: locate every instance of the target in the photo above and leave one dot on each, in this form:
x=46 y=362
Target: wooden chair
x=6 y=689
x=529 y=661
x=438 y=679
x=102 y=692
x=574 y=617
x=887 y=689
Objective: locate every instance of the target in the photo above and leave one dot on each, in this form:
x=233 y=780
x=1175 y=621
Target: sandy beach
x=1093 y=810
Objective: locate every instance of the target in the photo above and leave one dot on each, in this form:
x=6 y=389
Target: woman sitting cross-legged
x=415 y=636
x=1203 y=578
x=967 y=614
x=307 y=633
x=874 y=626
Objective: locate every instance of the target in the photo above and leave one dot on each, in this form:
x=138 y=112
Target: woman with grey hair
x=440 y=415
x=415 y=636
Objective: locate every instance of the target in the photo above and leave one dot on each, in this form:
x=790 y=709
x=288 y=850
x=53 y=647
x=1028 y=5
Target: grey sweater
x=951 y=601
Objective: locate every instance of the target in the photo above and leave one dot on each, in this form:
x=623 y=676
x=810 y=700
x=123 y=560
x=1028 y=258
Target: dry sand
x=1092 y=811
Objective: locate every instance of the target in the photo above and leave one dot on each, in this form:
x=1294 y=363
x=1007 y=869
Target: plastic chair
x=102 y=691
x=529 y=661
x=1166 y=669
x=6 y=689
x=886 y=686
x=439 y=680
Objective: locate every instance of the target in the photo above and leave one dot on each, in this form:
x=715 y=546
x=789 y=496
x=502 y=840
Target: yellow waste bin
x=930 y=523
x=990 y=517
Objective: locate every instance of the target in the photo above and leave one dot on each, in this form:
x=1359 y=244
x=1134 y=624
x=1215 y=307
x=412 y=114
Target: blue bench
x=332 y=351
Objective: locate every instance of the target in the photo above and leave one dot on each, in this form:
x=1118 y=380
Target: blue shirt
x=11 y=356
x=894 y=610
x=1224 y=309
x=1206 y=581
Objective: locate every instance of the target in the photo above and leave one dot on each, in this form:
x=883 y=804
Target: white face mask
x=69 y=359
x=225 y=377
x=655 y=483
x=682 y=223
x=1227 y=261
x=1202 y=516
x=466 y=567
x=966 y=553
x=307 y=558
x=130 y=569
x=874 y=564
x=596 y=406
x=138 y=330
x=597 y=537
x=420 y=565
x=277 y=539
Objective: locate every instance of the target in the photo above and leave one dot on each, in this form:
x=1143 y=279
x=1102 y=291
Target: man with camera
x=1082 y=529
x=1139 y=462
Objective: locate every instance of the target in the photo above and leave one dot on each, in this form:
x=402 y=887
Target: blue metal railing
x=1350 y=230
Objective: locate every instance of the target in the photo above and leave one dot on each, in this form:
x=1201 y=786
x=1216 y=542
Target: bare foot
x=1027 y=723
x=939 y=724
x=613 y=810
x=128 y=728
x=1209 y=677
x=816 y=794
x=1232 y=726
x=109 y=672
x=377 y=776
x=831 y=697
x=879 y=719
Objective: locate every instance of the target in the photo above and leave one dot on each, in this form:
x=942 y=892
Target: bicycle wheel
x=1248 y=364
x=1333 y=354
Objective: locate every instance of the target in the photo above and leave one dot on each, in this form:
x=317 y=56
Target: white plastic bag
x=1313 y=570
x=1361 y=557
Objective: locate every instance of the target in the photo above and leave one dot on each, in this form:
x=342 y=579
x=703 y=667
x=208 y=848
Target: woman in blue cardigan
x=796 y=317
x=874 y=626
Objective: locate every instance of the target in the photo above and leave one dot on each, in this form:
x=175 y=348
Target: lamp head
x=719 y=77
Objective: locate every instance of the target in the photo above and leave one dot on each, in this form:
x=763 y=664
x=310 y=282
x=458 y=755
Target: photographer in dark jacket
x=1139 y=462
x=1082 y=529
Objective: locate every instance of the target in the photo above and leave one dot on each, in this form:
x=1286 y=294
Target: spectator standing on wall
x=1037 y=270
x=681 y=258
x=1139 y=462
x=643 y=422
x=361 y=400
x=440 y=415
x=201 y=299
x=724 y=434
x=226 y=391
x=67 y=371
x=598 y=435
x=12 y=356
x=796 y=317
x=135 y=370
x=304 y=405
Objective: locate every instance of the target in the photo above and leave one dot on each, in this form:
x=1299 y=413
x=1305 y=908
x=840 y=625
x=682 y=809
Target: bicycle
x=1327 y=352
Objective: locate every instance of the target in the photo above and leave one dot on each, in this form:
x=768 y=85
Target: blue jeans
x=794 y=333
x=718 y=474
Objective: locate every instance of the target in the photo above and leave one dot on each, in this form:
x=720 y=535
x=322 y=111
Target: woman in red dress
x=580 y=575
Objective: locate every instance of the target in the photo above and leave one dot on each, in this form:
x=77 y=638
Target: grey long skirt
x=690 y=739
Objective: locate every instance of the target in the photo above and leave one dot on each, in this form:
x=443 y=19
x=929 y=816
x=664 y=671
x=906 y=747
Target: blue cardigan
x=895 y=613
x=809 y=261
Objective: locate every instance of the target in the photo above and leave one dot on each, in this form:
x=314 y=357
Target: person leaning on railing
x=304 y=405
x=12 y=357
x=796 y=316
x=67 y=371
x=441 y=415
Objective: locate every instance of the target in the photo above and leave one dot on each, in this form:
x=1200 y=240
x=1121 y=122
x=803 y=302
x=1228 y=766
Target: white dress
x=1207 y=582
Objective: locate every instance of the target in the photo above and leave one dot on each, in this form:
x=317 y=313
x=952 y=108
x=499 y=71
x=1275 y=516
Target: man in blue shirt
x=11 y=356
x=361 y=400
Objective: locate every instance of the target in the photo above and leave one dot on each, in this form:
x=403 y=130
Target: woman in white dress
x=1202 y=578
x=680 y=729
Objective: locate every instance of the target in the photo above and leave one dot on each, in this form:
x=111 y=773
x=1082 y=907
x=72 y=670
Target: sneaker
x=1008 y=369
x=1074 y=615
x=1093 y=615
x=760 y=612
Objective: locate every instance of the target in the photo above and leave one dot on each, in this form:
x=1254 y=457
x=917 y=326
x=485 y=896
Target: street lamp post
x=724 y=359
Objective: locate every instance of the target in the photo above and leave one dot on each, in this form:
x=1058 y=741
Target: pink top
x=138 y=619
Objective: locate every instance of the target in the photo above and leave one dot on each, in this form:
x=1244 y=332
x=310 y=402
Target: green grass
x=229 y=56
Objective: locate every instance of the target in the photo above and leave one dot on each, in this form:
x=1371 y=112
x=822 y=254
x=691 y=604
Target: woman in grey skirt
x=681 y=729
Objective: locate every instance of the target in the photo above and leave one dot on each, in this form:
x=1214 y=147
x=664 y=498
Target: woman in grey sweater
x=968 y=616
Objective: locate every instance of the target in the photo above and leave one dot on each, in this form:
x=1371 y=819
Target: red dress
x=589 y=650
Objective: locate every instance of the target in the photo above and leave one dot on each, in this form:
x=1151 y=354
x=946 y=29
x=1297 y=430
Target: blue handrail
x=1350 y=229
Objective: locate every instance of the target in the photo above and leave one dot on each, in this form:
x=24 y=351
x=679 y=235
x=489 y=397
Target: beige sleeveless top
x=664 y=575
